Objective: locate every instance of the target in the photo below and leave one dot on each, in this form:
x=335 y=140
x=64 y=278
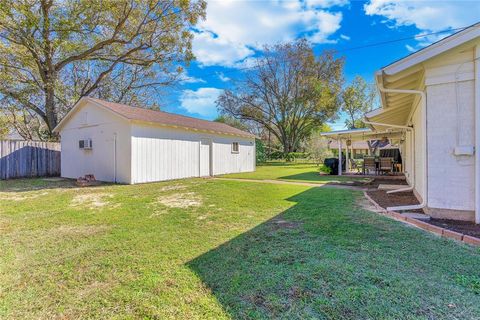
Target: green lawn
x=216 y=249
x=299 y=172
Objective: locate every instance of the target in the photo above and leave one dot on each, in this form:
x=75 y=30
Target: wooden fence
x=29 y=159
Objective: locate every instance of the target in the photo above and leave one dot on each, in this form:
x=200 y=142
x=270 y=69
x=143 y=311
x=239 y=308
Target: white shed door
x=205 y=146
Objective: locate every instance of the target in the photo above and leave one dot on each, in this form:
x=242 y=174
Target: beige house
x=431 y=107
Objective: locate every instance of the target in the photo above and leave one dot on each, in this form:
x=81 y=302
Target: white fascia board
x=374 y=113
x=78 y=105
x=434 y=50
x=346 y=133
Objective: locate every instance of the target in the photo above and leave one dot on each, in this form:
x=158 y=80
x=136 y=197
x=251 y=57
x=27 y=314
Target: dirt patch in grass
x=57 y=233
x=4 y=224
x=13 y=196
x=181 y=200
x=173 y=187
x=92 y=200
x=279 y=224
x=95 y=288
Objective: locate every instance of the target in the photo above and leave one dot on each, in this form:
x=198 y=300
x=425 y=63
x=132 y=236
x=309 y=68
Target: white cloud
x=344 y=37
x=234 y=29
x=410 y=48
x=215 y=51
x=223 y=77
x=325 y=3
x=426 y=15
x=200 y=101
x=186 y=78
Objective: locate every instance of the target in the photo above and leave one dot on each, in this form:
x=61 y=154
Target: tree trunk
x=50 y=109
x=287 y=147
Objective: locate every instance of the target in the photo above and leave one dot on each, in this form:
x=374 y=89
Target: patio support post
x=477 y=134
x=347 y=164
x=339 y=157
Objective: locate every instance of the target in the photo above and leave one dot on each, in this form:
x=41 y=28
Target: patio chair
x=386 y=165
x=355 y=166
x=369 y=164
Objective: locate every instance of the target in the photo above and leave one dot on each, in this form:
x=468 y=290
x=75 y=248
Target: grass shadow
x=324 y=258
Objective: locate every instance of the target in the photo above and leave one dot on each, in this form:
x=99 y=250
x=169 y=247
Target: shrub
x=323 y=168
x=290 y=157
x=276 y=155
x=260 y=151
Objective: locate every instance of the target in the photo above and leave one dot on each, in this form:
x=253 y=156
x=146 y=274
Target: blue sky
x=235 y=31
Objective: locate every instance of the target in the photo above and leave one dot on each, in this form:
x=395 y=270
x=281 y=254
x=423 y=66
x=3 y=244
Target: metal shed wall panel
x=164 y=153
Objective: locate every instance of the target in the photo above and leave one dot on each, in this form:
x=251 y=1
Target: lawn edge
x=439 y=231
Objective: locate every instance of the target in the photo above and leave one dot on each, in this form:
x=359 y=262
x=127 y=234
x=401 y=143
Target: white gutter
x=423 y=105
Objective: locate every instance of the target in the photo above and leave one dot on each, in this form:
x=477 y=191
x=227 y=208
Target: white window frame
x=233 y=147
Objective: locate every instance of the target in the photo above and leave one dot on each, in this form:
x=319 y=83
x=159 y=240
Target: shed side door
x=205 y=147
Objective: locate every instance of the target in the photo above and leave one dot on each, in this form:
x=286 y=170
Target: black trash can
x=332 y=163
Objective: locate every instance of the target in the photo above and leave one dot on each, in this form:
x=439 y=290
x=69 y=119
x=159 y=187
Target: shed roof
x=162 y=118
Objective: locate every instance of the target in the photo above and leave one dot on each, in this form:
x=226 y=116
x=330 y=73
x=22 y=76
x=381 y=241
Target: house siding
x=451 y=182
x=451 y=123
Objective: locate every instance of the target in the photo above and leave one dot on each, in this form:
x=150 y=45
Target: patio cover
x=362 y=134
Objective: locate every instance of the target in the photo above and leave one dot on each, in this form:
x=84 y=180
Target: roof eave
x=434 y=49
x=158 y=124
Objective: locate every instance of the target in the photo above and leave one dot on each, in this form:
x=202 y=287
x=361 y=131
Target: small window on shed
x=235 y=148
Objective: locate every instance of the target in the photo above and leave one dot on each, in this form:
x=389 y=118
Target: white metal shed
x=120 y=143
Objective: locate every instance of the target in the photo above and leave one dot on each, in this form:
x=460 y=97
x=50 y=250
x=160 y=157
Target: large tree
x=357 y=99
x=289 y=91
x=53 y=52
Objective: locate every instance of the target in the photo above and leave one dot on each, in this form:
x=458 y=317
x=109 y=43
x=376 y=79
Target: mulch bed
x=393 y=199
x=465 y=227
x=375 y=183
x=407 y=198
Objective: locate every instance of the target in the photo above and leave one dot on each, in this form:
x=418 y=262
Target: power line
x=376 y=44
x=401 y=39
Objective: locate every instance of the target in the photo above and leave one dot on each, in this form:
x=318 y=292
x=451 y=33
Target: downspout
x=423 y=106
x=115 y=157
x=477 y=133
